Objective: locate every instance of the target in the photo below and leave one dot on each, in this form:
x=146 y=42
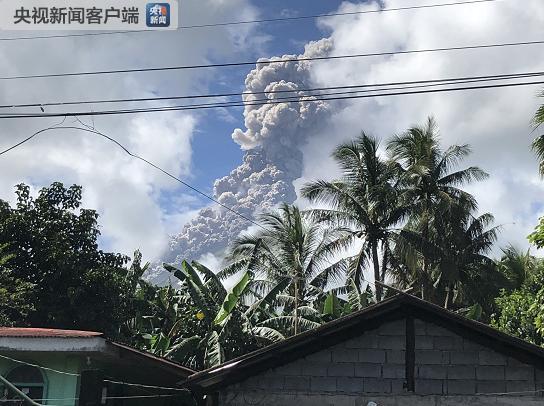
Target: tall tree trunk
x=296 y=303
x=422 y=281
x=385 y=259
x=377 y=277
x=425 y=235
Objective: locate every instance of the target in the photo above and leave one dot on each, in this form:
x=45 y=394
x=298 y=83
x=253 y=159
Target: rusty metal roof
x=46 y=333
x=139 y=355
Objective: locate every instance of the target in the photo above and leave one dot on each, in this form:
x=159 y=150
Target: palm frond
x=267 y=335
x=214 y=354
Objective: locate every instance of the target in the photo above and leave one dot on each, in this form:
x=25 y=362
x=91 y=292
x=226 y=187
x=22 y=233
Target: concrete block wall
x=370 y=363
x=372 y=366
x=449 y=364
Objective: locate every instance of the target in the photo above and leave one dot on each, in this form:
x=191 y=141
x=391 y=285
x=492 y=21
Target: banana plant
x=358 y=299
x=222 y=315
x=208 y=323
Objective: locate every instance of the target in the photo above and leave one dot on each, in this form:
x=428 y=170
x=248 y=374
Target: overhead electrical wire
x=145 y=386
x=282 y=91
x=262 y=102
x=38 y=366
x=105 y=380
x=273 y=61
x=125 y=149
x=260 y=21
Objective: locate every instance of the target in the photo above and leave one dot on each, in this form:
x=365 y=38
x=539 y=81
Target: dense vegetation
x=397 y=218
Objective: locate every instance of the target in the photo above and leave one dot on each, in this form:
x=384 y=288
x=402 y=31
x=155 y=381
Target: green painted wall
x=57 y=386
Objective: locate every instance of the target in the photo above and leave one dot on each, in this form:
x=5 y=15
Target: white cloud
x=125 y=191
x=495 y=122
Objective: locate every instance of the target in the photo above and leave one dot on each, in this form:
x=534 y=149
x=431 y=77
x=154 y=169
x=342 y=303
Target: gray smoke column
x=273 y=159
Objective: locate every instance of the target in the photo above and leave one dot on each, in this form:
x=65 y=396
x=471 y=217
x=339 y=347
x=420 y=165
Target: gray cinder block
x=322 y=384
x=374 y=385
x=367 y=370
x=372 y=356
x=341 y=369
x=489 y=373
x=392 y=342
x=461 y=372
x=350 y=385
x=460 y=387
x=431 y=372
x=429 y=387
x=464 y=358
x=491 y=358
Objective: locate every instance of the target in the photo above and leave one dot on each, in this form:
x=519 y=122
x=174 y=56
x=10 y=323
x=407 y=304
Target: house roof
x=353 y=325
x=35 y=339
x=46 y=333
x=144 y=356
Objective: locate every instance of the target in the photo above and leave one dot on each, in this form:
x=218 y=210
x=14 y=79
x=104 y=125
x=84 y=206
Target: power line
x=166 y=395
x=94 y=131
x=303 y=90
x=299 y=99
x=348 y=13
x=273 y=61
x=296 y=96
x=37 y=366
x=105 y=380
x=145 y=386
x=265 y=20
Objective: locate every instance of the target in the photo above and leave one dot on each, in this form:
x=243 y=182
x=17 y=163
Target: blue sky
x=214 y=152
x=139 y=207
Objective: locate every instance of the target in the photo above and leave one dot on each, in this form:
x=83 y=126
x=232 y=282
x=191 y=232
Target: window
x=28 y=379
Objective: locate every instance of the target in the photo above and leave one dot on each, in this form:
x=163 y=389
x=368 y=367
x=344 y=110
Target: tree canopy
x=397 y=216
x=50 y=248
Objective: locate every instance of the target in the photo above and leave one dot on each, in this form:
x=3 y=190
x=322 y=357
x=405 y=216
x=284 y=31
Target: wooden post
x=90 y=389
x=410 y=361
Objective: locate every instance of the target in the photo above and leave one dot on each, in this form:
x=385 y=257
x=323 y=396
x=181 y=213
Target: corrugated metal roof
x=46 y=333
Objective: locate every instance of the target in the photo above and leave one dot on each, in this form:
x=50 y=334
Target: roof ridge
x=398 y=306
x=47 y=332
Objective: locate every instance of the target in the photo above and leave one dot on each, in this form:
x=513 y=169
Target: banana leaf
x=233 y=297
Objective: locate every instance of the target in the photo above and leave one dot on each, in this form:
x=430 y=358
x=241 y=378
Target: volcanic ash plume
x=273 y=160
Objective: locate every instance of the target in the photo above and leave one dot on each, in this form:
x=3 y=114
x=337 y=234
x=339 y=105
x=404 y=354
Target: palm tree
x=517 y=266
x=291 y=249
x=538 y=143
x=537 y=236
x=430 y=183
x=364 y=203
x=456 y=249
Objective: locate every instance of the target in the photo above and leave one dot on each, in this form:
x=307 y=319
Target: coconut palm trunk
x=296 y=304
x=377 y=276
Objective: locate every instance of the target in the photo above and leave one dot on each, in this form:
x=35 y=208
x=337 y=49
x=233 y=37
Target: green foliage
x=15 y=295
x=364 y=203
x=434 y=249
x=233 y=297
x=294 y=256
x=537 y=236
x=413 y=224
x=332 y=306
x=520 y=312
x=53 y=245
x=357 y=299
x=517 y=317
x=199 y=324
